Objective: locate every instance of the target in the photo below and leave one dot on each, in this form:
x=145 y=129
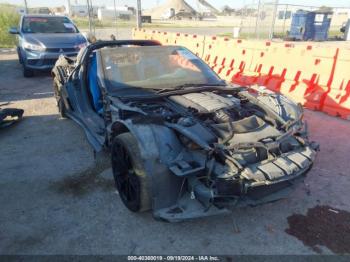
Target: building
x=109 y=13
x=172 y=9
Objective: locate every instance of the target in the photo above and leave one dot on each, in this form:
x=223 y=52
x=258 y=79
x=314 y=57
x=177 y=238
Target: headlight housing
x=80 y=46
x=33 y=47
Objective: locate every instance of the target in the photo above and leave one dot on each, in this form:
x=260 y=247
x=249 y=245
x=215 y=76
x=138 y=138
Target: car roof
x=42 y=15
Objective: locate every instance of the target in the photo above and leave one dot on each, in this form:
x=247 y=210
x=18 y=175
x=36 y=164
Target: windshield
x=48 y=25
x=156 y=67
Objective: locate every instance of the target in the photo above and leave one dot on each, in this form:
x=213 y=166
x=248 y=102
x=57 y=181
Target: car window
x=48 y=25
x=154 y=67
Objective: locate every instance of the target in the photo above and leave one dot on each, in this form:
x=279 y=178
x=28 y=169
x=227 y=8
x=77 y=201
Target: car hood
x=56 y=40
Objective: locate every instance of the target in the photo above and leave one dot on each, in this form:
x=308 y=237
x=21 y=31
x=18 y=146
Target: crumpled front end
x=230 y=162
x=214 y=188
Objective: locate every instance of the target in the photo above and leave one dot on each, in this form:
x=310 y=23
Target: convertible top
x=101 y=44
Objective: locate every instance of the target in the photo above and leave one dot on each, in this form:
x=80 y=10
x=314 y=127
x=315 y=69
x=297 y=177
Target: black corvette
x=182 y=141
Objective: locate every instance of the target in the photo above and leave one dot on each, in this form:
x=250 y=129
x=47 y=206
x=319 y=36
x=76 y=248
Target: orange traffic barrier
x=316 y=77
x=337 y=101
x=259 y=68
x=227 y=64
x=195 y=43
x=138 y=34
x=307 y=75
x=212 y=53
x=169 y=38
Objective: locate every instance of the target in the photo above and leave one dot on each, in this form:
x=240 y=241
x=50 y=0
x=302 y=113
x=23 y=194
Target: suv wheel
x=20 y=60
x=27 y=72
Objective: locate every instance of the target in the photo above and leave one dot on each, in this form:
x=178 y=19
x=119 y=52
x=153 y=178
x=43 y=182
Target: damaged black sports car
x=183 y=142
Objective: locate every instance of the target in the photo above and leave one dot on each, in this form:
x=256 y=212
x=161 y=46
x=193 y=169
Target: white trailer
x=109 y=13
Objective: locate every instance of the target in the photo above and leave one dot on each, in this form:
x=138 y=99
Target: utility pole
x=69 y=7
x=26 y=6
x=138 y=14
x=91 y=18
x=272 y=29
x=257 y=20
x=89 y=14
x=115 y=17
x=284 y=21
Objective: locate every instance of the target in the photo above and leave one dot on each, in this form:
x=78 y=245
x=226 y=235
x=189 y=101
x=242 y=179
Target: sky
x=151 y=3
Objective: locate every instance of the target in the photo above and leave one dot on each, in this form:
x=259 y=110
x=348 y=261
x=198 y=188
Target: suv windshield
x=156 y=67
x=48 y=25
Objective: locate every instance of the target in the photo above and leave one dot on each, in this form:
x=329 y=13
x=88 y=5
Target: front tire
x=60 y=103
x=129 y=174
x=20 y=60
x=27 y=72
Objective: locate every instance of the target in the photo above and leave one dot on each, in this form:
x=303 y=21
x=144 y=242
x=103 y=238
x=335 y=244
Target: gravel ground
x=56 y=200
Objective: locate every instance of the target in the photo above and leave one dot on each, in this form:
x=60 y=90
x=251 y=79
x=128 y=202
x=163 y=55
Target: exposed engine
x=250 y=143
x=223 y=119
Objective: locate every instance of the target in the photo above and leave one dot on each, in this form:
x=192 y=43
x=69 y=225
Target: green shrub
x=8 y=18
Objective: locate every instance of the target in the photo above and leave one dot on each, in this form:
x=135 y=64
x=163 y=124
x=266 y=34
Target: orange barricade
x=214 y=52
x=138 y=34
x=227 y=57
x=169 y=38
x=195 y=43
x=337 y=101
x=279 y=56
x=308 y=74
x=259 y=69
x=273 y=69
x=316 y=77
x=156 y=35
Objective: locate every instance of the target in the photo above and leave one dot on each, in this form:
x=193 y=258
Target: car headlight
x=80 y=46
x=33 y=47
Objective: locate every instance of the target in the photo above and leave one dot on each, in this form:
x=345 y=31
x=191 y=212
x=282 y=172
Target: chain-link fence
x=257 y=19
x=262 y=19
x=266 y=19
x=101 y=14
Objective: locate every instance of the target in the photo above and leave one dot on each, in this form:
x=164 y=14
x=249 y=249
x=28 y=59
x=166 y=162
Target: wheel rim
x=125 y=177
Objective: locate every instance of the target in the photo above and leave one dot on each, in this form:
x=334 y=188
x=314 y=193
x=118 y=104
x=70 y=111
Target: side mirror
x=13 y=30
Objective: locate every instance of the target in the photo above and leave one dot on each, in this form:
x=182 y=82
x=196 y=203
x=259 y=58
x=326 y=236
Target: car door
x=77 y=95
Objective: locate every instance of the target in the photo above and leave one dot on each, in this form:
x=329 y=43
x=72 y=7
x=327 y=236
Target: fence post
x=284 y=21
x=257 y=19
x=273 y=20
x=138 y=17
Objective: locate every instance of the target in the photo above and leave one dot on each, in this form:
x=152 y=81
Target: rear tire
x=129 y=174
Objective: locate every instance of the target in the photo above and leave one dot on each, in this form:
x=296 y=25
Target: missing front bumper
x=191 y=208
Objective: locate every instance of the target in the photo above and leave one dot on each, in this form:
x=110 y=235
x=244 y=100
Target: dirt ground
x=55 y=200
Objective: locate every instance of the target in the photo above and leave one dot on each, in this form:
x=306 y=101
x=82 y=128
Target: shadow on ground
x=90 y=179
x=15 y=87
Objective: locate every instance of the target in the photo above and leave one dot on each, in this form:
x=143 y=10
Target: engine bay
x=224 y=120
x=232 y=137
